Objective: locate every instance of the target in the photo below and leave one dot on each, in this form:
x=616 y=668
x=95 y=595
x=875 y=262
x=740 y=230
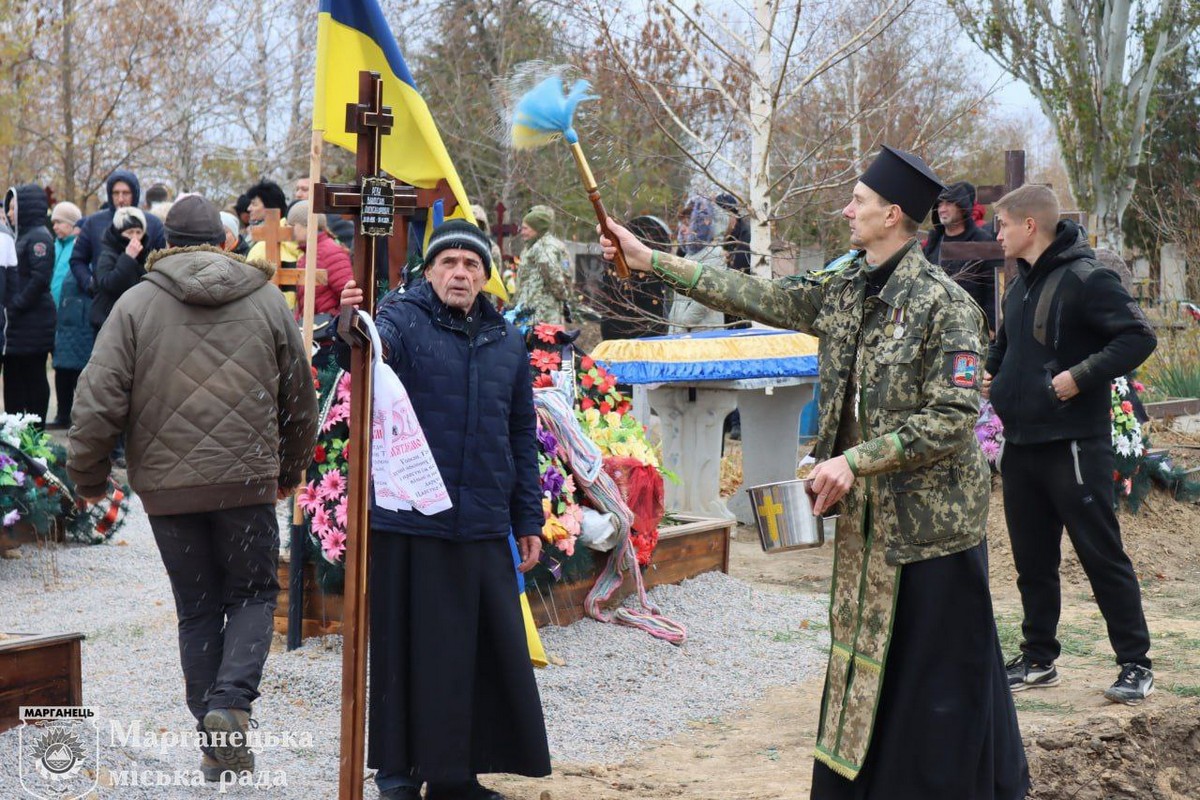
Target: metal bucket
x=784 y=513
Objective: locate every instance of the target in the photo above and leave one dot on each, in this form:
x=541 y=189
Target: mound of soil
x=1154 y=755
x=1161 y=540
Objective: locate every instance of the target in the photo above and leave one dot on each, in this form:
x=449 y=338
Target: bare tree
x=1093 y=66
x=781 y=104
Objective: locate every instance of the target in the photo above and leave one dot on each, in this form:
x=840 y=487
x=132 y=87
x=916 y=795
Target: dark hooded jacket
x=116 y=273
x=223 y=412
x=1066 y=312
x=469 y=382
x=89 y=244
x=28 y=302
x=978 y=277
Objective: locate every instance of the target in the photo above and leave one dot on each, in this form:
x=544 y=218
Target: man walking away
x=220 y=424
x=1069 y=329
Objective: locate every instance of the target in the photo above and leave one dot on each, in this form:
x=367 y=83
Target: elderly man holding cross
x=452 y=689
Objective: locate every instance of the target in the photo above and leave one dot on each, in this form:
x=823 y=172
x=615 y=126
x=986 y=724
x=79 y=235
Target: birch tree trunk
x=761 y=116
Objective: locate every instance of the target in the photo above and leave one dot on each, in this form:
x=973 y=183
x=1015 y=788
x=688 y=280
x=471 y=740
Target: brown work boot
x=210 y=768
x=226 y=729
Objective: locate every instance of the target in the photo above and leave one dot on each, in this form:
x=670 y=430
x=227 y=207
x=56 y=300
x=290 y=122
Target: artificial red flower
x=1127 y=406
x=587 y=381
x=545 y=360
x=319 y=454
x=605 y=407
x=624 y=406
x=546 y=332
x=543 y=381
x=586 y=363
x=586 y=403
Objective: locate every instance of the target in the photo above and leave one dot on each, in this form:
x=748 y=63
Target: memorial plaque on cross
x=374 y=198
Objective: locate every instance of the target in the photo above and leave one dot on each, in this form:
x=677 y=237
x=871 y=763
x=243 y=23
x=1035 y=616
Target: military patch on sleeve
x=39 y=249
x=964 y=369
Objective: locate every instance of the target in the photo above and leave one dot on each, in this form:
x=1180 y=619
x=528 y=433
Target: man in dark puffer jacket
x=1069 y=329
x=29 y=303
x=452 y=688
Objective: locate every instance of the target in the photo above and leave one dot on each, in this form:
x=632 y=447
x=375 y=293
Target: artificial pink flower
x=572 y=520
x=309 y=499
x=320 y=522
x=569 y=485
x=340 y=513
x=337 y=413
x=343 y=389
x=333 y=544
x=333 y=485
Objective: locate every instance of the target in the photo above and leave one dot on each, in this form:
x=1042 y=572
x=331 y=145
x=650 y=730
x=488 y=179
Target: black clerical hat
x=904 y=179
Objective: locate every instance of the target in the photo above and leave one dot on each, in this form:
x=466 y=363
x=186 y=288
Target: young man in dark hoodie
x=29 y=331
x=1069 y=329
x=954 y=221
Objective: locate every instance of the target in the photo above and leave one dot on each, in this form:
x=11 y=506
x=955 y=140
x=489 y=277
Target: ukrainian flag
x=353 y=35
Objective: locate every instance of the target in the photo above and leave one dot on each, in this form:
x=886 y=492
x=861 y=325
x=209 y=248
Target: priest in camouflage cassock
x=916 y=701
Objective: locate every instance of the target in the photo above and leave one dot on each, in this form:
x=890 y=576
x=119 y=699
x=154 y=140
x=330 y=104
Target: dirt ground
x=1079 y=745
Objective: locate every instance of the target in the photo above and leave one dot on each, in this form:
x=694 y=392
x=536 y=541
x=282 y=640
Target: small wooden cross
x=274 y=232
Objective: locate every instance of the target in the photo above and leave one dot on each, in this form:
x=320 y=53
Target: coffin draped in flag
x=353 y=35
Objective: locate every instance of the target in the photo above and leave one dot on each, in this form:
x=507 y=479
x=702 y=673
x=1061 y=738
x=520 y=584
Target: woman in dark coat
x=29 y=304
x=122 y=262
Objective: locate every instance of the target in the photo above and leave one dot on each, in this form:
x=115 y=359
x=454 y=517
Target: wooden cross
x=502 y=229
x=373 y=200
x=275 y=232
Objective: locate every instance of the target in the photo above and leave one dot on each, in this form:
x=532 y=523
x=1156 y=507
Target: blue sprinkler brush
x=547 y=113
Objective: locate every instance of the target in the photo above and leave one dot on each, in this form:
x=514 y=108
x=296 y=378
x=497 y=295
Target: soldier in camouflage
x=916 y=703
x=543 y=281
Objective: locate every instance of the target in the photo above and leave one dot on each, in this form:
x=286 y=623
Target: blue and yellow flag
x=353 y=35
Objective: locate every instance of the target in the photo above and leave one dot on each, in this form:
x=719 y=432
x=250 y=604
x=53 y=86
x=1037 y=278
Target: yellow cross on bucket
x=770 y=511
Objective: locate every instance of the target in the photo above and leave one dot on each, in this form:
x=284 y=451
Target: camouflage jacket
x=918 y=350
x=542 y=282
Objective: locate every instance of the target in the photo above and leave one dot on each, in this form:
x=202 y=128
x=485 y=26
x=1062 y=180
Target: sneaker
x=1134 y=684
x=1026 y=674
x=231 y=751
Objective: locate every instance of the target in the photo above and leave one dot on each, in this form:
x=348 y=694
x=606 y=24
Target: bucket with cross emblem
x=784 y=513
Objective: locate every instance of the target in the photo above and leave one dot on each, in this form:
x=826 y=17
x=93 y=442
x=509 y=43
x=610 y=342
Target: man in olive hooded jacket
x=202 y=367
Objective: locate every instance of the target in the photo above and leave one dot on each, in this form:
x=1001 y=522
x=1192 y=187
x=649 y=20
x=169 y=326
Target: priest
x=916 y=702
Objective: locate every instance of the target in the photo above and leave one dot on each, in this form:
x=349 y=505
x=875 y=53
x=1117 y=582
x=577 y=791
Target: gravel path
x=618 y=688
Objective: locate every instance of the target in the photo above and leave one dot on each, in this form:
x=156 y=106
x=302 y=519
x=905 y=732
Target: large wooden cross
x=374 y=200
x=275 y=232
